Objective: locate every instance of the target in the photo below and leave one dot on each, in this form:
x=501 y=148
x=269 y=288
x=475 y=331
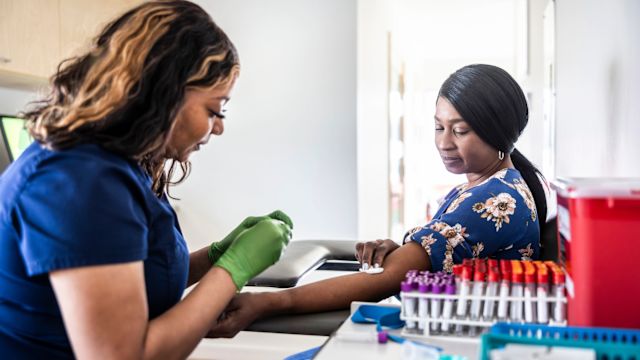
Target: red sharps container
x=599 y=248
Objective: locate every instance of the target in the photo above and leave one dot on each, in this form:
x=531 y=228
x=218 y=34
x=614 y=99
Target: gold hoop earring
x=500 y=155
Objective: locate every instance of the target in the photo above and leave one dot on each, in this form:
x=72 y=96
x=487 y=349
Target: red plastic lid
x=492 y=263
x=558 y=273
x=530 y=278
x=543 y=272
x=597 y=187
x=505 y=267
x=457 y=270
x=494 y=274
x=467 y=273
x=529 y=272
x=558 y=277
x=516 y=271
x=479 y=275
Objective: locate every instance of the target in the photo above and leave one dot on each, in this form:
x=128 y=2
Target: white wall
x=290 y=137
x=13 y=101
x=598 y=88
x=374 y=24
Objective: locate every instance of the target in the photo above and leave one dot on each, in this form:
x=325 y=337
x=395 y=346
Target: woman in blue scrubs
x=92 y=260
x=480 y=113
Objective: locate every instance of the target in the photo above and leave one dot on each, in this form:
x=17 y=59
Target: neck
x=477 y=178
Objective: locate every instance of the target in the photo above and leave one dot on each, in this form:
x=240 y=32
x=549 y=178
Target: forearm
x=339 y=292
x=177 y=332
x=199 y=265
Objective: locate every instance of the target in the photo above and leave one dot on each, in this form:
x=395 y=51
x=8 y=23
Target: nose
x=218 y=127
x=444 y=140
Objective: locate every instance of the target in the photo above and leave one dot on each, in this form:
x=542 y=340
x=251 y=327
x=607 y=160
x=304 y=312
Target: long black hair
x=495 y=107
x=125 y=92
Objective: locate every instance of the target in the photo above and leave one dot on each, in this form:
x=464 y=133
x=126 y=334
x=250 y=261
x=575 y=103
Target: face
x=200 y=116
x=461 y=149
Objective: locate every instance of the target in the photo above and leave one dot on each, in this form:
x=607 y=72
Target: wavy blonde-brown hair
x=124 y=93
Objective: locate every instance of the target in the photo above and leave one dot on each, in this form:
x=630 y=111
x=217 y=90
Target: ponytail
x=530 y=175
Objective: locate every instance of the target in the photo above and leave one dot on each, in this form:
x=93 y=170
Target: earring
x=500 y=155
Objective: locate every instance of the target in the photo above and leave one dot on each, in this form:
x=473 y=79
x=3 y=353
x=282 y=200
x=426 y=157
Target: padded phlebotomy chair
x=301 y=257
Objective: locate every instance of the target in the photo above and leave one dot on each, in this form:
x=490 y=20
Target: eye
x=439 y=128
x=215 y=114
x=458 y=132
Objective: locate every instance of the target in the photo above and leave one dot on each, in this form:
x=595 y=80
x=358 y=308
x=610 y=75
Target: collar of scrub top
x=385 y=318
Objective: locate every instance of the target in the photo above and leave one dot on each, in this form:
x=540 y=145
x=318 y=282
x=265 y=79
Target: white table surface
x=249 y=345
x=341 y=349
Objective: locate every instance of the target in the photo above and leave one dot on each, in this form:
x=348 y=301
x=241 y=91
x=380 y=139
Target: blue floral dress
x=496 y=219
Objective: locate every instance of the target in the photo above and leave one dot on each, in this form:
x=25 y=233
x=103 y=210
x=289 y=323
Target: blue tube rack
x=608 y=343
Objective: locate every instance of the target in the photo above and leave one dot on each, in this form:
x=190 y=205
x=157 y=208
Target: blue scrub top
x=78 y=207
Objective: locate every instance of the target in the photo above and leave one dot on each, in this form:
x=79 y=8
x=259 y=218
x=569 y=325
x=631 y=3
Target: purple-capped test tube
x=408 y=303
x=447 y=309
x=424 y=287
x=436 y=289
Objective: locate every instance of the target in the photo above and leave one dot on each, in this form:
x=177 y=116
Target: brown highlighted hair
x=124 y=93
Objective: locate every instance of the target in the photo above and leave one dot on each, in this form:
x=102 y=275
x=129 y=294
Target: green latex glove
x=218 y=248
x=254 y=250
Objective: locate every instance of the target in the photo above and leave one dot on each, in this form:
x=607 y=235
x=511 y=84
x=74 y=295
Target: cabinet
x=35 y=35
x=29 y=41
x=81 y=20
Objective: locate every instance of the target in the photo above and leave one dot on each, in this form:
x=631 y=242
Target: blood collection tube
x=505 y=289
x=493 y=281
x=542 y=292
x=517 y=291
x=380 y=337
x=436 y=306
x=447 y=308
x=529 y=292
x=457 y=274
x=465 y=289
x=557 y=291
x=424 y=287
x=479 y=277
x=409 y=303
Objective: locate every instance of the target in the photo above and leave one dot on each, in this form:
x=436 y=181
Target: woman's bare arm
x=106 y=316
x=326 y=295
x=199 y=265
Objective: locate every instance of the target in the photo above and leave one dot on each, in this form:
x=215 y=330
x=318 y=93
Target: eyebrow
x=452 y=121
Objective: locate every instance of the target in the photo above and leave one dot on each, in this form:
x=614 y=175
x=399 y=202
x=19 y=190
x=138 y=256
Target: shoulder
x=81 y=172
x=84 y=165
x=505 y=192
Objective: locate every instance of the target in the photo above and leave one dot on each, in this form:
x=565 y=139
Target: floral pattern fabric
x=495 y=219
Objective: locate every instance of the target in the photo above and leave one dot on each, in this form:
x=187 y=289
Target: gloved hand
x=254 y=250
x=218 y=248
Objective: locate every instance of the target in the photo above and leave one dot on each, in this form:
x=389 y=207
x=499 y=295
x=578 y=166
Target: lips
x=450 y=159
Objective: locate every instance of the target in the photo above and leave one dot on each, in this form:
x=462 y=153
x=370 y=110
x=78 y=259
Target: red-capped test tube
x=505 y=288
x=457 y=274
x=557 y=291
x=479 y=277
x=465 y=289
x=493 y=281
x=542 y=292
x=517 y=290
x=530 y=309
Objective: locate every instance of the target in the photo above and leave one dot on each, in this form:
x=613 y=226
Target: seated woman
x=480 y=113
